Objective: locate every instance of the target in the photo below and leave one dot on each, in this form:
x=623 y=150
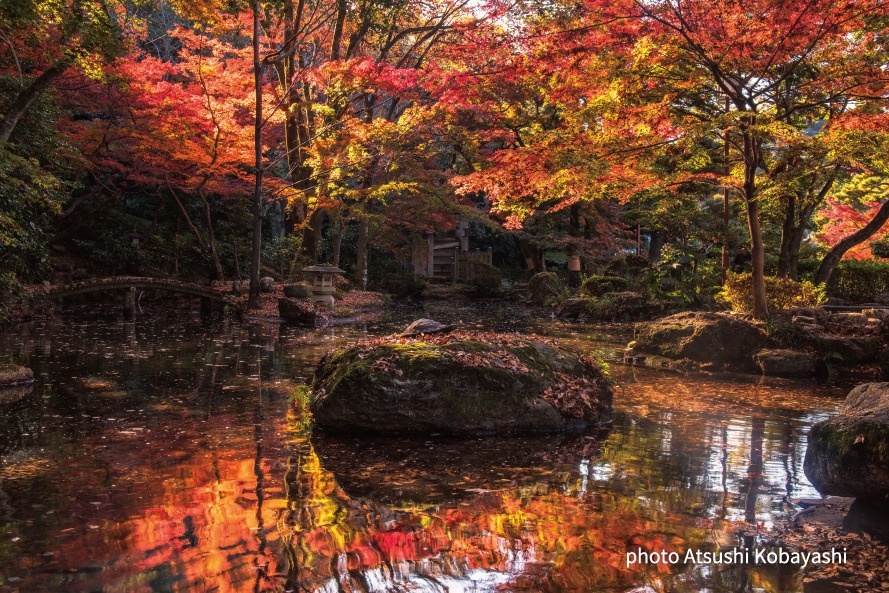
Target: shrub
x=628 y=264
x=409 y=285
x=880 y=248
x=859 y=280
x=482 y=274
x=599 y=285
x=782 y=293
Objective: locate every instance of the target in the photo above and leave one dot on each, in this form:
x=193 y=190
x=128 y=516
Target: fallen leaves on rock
x=867 y=566
x=572 y=395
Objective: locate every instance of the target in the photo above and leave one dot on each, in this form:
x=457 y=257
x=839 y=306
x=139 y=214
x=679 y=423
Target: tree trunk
x=254 y=300
x=341 y=9
x=337 y=241
x=211 y=241
x=655 y=246
x=361 y=260
x=787 y=232
x=833 y=257
x=312 y=235
x=751 y=162
x=27 y=97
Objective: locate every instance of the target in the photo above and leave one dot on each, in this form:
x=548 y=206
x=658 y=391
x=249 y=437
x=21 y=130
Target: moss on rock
x=848 y=454
x=460 y=383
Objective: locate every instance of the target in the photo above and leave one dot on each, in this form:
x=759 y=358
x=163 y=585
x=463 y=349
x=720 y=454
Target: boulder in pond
x=458 y=383
x=848 y=454
x=426 y=326
x=299 y=311
x=572 y=308
x=785 y=363
x=13 y=374
x=711 y=338
x=543 y=287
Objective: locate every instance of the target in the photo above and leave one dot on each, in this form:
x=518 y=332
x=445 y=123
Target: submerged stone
x=13 y=374
x=848 y=454
x=426 y=326
x=462 y=383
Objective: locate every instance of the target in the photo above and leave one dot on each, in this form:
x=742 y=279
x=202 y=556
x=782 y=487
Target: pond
x=163 y=454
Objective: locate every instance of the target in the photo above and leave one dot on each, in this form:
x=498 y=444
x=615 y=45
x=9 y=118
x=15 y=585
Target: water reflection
x=160 y=455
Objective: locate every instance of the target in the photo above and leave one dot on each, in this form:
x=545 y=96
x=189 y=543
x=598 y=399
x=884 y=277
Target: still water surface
x=163 y=455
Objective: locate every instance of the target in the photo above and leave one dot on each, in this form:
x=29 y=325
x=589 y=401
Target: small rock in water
x=426 y=326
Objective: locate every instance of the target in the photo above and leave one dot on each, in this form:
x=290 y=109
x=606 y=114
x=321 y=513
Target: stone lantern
x=321 y=278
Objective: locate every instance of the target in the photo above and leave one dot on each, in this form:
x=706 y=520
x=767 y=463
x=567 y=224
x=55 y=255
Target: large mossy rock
x=848 y=454
x=299 y=311
x=542 y=287
x=460 y=383
x=710 y=338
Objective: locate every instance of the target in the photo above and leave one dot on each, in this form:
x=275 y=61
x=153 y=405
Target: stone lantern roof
x=324 y=269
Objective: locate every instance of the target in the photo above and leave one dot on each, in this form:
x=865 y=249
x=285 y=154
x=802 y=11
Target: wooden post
x=430 y=256
x=456 y=252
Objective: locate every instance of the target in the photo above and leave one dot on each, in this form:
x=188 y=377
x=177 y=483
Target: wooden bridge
x=210 y=297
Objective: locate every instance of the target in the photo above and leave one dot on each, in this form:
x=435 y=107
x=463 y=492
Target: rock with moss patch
x=785 y=363
x=13 y=374
x=460 y=383
x=543 y=287
x=300 y=311
x=426 y=326
x=573 y=308
x=709 y=338
x=297 y=291
x=848 y=454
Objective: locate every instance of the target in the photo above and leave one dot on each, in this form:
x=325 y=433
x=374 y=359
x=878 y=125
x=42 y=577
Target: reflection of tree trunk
x=259 y=562
x=754 y=469
x=724 y=460
x=361 y=260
